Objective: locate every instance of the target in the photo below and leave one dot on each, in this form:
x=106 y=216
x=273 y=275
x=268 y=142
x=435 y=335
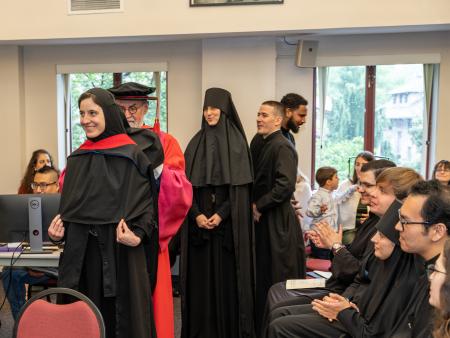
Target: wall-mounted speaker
x=306 y=53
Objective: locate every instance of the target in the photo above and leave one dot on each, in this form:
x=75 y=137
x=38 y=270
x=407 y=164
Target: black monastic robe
x=109 y=178
x=417 y=318
x=217 y=280
x=114 y=276
x=345 y=266
x=279 y=246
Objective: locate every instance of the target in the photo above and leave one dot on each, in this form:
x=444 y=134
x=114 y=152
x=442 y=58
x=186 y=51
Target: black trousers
x=279 y=297
x=303 y=321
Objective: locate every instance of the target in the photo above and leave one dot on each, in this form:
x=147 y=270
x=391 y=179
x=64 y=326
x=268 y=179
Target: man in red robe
x=174 y=200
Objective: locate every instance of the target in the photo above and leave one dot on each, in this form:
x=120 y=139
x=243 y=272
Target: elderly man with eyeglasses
x=174 y=190
x=45 y=181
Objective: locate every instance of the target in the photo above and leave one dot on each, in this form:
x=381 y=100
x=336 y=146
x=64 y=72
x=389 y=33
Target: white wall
x=246 y=68
x=12 y=136
x=48 y=19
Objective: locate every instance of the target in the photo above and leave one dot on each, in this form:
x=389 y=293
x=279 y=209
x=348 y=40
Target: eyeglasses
x=403 y=221
x=132 y=109
x=41 y=185
x=367 y=186
x=442 y=170
x=432 y=268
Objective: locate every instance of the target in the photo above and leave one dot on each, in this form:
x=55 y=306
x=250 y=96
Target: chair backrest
x=39 y=318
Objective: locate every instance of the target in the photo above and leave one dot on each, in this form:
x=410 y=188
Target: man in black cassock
x=424 y=227
x=279 y=246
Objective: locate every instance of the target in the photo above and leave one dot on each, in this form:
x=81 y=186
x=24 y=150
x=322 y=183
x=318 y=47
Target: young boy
x=322 y=206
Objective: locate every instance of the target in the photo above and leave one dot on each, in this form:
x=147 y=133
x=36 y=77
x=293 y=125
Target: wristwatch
x=336 y=247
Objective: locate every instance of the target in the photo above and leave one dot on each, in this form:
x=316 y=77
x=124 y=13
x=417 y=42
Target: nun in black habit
x=216 y=239
x=107 y=217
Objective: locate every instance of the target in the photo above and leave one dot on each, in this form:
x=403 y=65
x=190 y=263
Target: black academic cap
x=386 y=224
x=132 y=91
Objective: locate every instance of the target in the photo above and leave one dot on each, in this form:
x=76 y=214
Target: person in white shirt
x=302 y=194
x=347 y=210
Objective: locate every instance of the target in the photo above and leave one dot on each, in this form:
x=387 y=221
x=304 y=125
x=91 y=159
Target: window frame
x=63 y=71
x=369 y=120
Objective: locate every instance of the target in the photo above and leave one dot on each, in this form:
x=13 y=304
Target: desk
x=27 y=259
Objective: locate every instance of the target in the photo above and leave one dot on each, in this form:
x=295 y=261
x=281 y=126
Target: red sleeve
x=175 y=194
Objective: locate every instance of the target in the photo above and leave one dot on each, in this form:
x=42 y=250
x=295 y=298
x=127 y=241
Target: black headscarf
x=102 y=186
x=219 y=155
x=391 y=280
x=113 y=114
x=387 y=223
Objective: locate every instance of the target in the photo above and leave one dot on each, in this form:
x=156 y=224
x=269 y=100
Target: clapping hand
x=330 y=306
x=324 y=236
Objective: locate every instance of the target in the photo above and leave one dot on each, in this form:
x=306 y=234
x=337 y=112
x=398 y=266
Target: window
x=340 y=129
x=80 y=82
x=376 y=108
x=401 y=126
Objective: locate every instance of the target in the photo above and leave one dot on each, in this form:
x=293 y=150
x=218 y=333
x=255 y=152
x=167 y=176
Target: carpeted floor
x=7 y=323
x=6 y=320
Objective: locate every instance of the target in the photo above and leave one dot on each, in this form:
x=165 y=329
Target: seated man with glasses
x=45 y=181
x=424 y=226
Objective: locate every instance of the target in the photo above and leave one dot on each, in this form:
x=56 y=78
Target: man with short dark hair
x=278 y=239
x=295 y=112
x=45 y=181
x=424 y=227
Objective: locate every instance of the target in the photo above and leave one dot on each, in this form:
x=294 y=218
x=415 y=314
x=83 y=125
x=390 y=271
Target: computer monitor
x=27 y=218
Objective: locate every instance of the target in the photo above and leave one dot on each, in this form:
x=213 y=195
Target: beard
x=292 y=126
x=135 y=124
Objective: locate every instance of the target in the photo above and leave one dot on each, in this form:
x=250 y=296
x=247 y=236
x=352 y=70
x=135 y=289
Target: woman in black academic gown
x=106 y=220
x=216 y=240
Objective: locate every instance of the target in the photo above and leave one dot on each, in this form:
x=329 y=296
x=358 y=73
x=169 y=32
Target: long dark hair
x=25 y=184
x=441 y=164
x=368 y=156
x=442 y=321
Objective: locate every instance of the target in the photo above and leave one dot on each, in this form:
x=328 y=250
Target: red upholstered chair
x=318 y=264
x=42 y=319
